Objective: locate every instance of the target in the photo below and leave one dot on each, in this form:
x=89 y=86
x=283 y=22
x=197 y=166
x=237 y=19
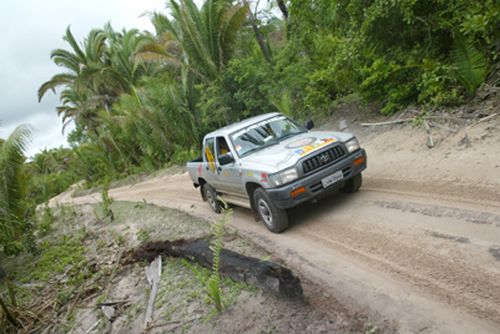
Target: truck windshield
x=263 y=134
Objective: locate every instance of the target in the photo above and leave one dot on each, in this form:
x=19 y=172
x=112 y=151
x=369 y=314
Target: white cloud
x=31 y=29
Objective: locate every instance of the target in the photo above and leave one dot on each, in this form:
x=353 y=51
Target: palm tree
x=206 y=35
x=82 y=66
x=13 y=208
x=96 y=73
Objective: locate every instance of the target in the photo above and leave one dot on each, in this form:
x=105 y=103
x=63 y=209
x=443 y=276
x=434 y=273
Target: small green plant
x=106 y=201
x=142 y=235
x=213 y=284
x=371 y=329
x=46 y=221
x=120 y=240
x=100 y=244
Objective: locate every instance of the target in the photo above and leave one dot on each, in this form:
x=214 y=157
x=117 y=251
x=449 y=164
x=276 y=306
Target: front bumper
x=283 y=199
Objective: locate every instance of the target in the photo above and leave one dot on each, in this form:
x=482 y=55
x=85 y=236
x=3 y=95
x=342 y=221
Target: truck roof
x=228 y=129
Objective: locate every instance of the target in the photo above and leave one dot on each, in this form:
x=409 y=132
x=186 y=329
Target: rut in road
x=451 y=279
x=443 y=249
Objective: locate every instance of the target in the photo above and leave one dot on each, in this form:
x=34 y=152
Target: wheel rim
x=211 y=200
x=265 y=213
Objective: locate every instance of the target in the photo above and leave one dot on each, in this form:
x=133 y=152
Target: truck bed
x=199 y=159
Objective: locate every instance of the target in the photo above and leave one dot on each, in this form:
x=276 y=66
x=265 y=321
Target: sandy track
x=418 y=246
x=432 y=265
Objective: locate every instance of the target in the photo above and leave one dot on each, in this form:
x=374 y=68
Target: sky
x=31 y=30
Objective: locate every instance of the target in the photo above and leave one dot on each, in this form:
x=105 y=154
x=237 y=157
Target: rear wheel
x=211 y=197
x=275 y=219
x=353 y=184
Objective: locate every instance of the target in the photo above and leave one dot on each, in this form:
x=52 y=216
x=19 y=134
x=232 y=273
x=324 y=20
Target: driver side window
x=222 y=147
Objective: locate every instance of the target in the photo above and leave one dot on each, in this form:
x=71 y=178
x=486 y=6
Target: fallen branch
x=173 y=322
x=268 y=276
x=436 y=125
x=93 y=326
x=153 y=274
x=484 y=119
x=430 y=140
x=119 y=302
x=397 y=121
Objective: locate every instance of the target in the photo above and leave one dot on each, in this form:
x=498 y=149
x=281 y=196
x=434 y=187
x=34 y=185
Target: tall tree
x=206 y=35
x=264 y=47
x=96 y=73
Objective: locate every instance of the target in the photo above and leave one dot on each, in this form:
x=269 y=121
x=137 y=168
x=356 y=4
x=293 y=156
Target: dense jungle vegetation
x=142 y=100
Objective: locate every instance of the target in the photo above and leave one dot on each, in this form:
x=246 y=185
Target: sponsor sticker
x=314 y=146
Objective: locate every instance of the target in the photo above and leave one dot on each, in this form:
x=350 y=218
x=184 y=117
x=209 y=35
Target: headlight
x=352 y=145
x=283 y=177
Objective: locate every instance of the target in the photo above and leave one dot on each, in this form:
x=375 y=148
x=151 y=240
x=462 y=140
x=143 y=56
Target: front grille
x=322 y=159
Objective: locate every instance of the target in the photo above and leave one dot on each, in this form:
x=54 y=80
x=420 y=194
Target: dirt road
x=418 y=245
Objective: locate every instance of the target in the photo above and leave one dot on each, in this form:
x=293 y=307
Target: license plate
x=331 y=179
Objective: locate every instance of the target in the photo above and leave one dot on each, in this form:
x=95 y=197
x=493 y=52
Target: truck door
x=227 y=175
x=209 y=163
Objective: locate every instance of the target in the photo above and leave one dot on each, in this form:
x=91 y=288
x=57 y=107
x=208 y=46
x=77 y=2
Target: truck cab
x=270 y=163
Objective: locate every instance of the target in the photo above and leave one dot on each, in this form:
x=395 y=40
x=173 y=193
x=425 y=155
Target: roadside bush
x=398 y=52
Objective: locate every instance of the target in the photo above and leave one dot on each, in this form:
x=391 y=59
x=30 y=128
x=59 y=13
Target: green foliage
x=389 y=79
x=143 y=235
x=106 y=201
x=206 y=35
x=96 y=73
x=64 y=254
x=46 y=221
x=439 y=85
x=212 y=280
x=213 y=284
x=396 y=52
x=15 y=210
x=471 y=65
x=52 y=172
x=243 y=90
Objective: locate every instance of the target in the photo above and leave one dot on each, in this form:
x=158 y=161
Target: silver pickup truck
x=270 y=163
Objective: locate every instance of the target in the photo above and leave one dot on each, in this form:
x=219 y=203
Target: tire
x=211 y=197
x=275 y=219
x=353 y=184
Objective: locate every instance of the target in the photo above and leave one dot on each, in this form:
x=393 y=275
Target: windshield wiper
x=255 y=149
x=290 y=135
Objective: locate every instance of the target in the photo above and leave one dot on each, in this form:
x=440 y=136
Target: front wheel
x=275 y=219
x=353 y=184
x=211 y=197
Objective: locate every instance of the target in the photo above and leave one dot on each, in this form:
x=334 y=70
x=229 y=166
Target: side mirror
x=226 y=159
x=309 y=124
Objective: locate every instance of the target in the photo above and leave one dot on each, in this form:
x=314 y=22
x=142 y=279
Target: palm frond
x=73 y=43
x=13 y=184
x=471 y=65
x=54 y=82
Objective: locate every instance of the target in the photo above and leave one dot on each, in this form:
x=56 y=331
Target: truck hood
x=286 y=154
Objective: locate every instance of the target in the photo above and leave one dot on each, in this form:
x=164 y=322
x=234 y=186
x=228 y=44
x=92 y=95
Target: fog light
x=298 y=191
x=359 y=161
